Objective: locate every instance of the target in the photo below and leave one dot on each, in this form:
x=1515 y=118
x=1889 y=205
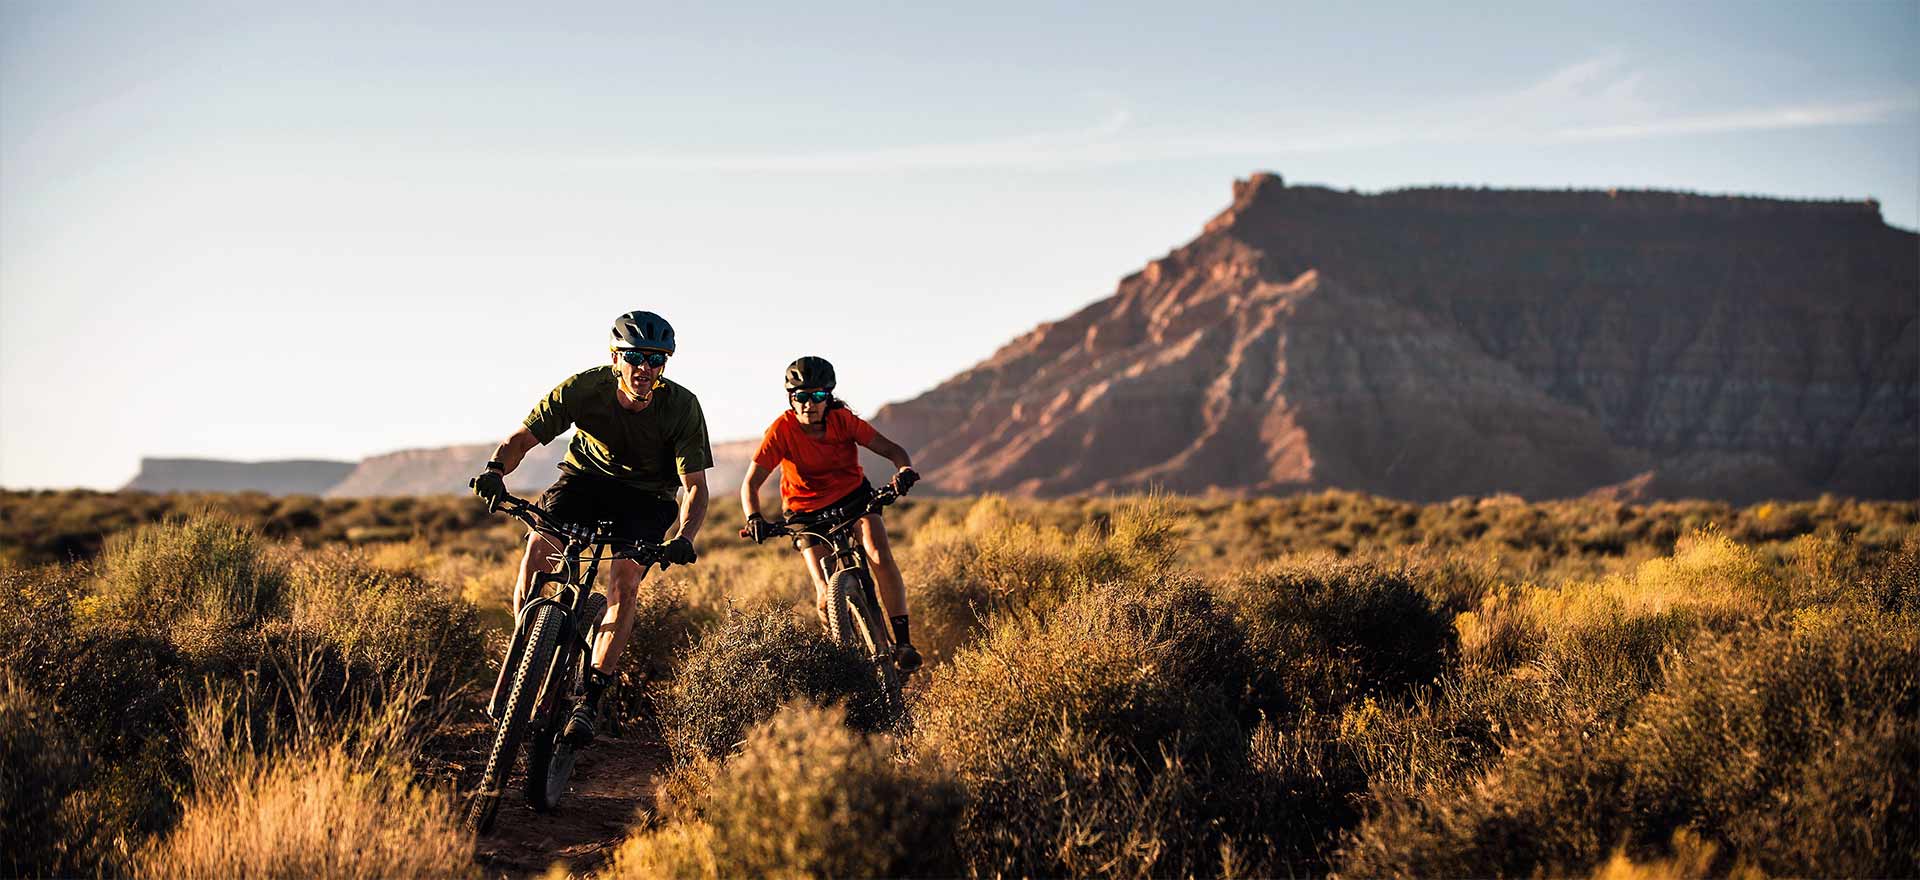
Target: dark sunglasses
x=812 y=396
x=635 y=358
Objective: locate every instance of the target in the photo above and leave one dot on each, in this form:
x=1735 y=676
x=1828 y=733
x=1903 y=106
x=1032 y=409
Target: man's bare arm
x=514 y=449
x=693 y=503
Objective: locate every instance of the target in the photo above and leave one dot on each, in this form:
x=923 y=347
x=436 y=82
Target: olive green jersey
x=648 y=449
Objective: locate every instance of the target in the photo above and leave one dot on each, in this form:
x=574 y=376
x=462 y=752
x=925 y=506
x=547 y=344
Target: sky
x=331 y=230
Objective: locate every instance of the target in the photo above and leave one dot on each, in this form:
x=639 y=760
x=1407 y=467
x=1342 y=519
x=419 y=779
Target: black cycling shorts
x=854 y=500
x=585 y=499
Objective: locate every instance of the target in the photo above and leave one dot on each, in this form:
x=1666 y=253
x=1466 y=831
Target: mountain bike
x=854 y=618
x=547 y=660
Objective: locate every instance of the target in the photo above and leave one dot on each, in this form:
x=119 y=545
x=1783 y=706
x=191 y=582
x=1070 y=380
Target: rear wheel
x=550 y=761
x=549 y=765
x=543 y=638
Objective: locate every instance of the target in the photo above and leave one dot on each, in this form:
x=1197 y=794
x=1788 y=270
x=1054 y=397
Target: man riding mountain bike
x=638 y=438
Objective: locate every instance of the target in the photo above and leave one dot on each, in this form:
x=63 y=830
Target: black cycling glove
x=758 y=529
x=491 y=487
x=905 y=479
x=679 y=551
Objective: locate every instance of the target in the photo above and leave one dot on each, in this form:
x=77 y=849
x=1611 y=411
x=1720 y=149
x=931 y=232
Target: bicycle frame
x=848 y=550
x=574 y=571
x=842 y=537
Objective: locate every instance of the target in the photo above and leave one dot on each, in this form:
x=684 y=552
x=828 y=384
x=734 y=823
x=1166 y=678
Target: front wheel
x=543 y=638
x=855 y=612
x=842 y=589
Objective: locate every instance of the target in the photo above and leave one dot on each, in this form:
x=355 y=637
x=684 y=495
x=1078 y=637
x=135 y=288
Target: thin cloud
x=1807 y=116
x=1599 y=98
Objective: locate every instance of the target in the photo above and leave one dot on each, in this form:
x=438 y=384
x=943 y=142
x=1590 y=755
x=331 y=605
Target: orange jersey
x=817 y=471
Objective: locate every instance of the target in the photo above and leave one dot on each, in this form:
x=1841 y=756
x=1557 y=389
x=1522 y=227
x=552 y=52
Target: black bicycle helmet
x=810 y=372
x=642 y=330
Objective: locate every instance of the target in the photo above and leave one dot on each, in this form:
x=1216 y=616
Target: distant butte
x=1429 y=343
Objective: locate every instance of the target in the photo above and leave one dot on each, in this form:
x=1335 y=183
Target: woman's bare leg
x=886 y=574
x=813 y=554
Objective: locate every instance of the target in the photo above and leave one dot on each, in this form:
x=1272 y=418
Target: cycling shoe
x=579 y=730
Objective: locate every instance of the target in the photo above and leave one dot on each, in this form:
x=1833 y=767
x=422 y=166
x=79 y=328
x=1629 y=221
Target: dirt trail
x=612 y=784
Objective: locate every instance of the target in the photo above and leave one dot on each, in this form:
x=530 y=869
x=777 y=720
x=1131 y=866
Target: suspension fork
x=843 y=557
x=583 y=588
x=537 y=596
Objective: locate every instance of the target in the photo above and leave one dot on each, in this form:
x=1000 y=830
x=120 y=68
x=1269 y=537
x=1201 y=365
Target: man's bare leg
x=616 y=626
x=539 y=548
x=610 y=641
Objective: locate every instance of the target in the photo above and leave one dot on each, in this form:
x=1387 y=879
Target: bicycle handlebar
x=882 y=497
x=539 y=520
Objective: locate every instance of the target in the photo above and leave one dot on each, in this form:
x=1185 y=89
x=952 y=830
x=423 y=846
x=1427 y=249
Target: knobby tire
x=841 y=588
x=543 y=638
x=861 y=626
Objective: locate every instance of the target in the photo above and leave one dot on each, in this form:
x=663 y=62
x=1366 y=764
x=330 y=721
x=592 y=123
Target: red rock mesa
x=1429 y=343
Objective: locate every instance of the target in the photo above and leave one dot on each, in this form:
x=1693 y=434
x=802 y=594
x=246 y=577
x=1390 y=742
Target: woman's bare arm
x=750 y=489
x=890 y=451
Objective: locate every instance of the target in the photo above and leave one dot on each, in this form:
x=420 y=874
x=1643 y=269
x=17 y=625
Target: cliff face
x=294 y=477
x=444 y=470
x=1430 y=343
x=439 y=470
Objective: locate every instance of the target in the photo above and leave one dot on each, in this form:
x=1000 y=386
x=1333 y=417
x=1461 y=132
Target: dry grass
x=1791 y=747
x=739 y=673
x=1689 y=857
x=38 y=773
x=109 y=653
x=1330 y=630
x=1095 y=738
x=194 y=571
x=996 y=561
x=320 y=795
x=385 y=617
x=318 y=815
x=808 y=797
x=1607 y=640
x=1154 y=686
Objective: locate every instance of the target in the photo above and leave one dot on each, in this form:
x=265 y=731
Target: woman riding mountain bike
x=815 y=444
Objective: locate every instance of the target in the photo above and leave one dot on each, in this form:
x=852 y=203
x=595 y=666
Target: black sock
x=597 y=682
x=900 y=636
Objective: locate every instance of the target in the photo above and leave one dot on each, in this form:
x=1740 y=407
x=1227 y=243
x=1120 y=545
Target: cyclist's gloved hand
x=679 y=551
x=758 y=529
x=490 y=486
x=905 y=479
